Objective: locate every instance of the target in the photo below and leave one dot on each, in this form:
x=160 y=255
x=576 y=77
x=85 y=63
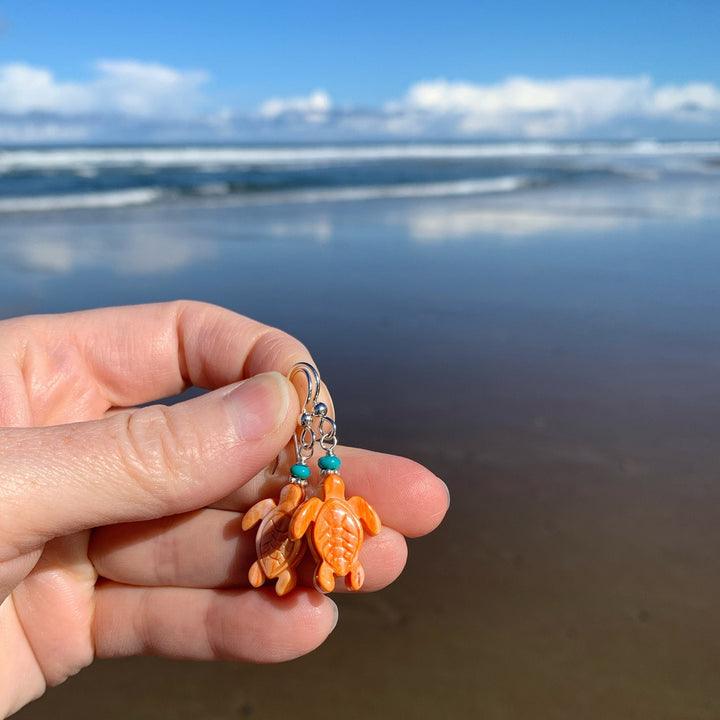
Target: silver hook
x=304 y=436
x=313 y=412
x=313 y=380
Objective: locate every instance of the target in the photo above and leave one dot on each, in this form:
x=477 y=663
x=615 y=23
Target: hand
x=120 y=526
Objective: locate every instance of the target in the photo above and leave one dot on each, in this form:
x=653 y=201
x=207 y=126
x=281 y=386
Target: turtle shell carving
x=337 y=533
x=278 y=555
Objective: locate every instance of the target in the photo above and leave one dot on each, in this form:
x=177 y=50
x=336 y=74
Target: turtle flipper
x=303 y=516
x=256 y=576
x=365 y=512
x=286 y=581
x=257 y=512
x=355 y=578
x=325 y=578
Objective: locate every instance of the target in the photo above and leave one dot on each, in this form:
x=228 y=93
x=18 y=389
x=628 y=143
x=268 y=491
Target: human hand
x=120 y=526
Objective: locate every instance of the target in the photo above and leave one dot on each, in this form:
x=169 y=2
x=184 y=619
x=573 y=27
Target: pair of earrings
x=332 y=526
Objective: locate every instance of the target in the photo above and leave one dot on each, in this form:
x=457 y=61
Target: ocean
x=63 y=178
x=537 y=322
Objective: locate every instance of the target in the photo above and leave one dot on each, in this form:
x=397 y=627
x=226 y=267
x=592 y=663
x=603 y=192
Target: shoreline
x=559 y=376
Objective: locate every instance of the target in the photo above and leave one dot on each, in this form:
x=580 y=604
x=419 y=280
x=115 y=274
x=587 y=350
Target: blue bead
x=302 y=472
x=329 y=462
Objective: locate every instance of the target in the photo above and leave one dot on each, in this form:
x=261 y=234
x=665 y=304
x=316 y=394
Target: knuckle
x=157 y=450
x=275 y=349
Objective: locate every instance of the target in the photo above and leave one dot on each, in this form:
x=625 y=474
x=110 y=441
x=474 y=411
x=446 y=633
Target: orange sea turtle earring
x=337 y=523
x=277 y=554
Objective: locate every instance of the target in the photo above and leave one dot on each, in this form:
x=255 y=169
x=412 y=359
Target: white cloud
x=125 y=87
x=147 y=89
x=550 y=108
x=26 y=132
x=683 y=101
x=129 y=100
x=313 y=108
x=25 y=89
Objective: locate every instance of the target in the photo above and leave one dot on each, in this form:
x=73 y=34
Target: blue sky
x=235 y=70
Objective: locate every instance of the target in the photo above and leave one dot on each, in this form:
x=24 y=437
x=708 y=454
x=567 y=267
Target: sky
x=81 y=71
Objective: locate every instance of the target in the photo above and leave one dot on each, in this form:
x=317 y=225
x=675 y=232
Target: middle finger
x=208 y=549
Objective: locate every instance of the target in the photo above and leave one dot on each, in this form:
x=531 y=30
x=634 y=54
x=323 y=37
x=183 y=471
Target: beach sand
x=555 y=358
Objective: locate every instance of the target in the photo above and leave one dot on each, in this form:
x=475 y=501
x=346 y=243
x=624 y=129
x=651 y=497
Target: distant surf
x=44 y=179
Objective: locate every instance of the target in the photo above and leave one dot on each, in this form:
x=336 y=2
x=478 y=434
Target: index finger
x=408 y=497
x=136 y=354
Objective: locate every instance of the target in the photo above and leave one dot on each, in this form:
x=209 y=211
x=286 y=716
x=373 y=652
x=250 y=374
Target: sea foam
x=112 y=199
x=211 y=158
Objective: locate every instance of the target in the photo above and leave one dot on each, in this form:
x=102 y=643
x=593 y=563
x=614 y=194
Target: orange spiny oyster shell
x=277 y=554
x=276 y=551
x=337 y=534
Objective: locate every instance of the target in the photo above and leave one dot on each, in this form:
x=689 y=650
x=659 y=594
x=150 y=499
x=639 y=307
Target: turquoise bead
x=329 y=462
x=302 y=472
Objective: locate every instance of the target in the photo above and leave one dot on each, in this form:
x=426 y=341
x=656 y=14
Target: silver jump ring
x=328 y=439
x=313 y=422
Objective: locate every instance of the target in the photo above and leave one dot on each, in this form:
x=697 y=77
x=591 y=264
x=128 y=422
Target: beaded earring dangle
x=331 y=527
x=277 y=554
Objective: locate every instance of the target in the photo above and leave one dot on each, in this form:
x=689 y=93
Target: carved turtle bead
x=337 y=534
x=278 y=555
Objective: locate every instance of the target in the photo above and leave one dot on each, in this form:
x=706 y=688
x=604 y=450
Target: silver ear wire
x=312 y=423
x=314 y=385
x=305 y=437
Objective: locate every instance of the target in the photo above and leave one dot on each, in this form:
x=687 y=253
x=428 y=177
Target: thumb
x=140 y=464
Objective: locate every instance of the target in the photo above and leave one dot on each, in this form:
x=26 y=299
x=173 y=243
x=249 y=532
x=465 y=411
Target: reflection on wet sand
x=564 y=388
x=135 y=250
x=571 y=211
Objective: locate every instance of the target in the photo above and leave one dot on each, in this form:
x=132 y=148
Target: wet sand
x=557 y=363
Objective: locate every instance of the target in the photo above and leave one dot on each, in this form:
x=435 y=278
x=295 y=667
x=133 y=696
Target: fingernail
x=257 y=406
x=337 y=615
x=447 y=490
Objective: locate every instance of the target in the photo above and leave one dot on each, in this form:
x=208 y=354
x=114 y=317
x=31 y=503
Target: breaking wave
x=74 y=178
